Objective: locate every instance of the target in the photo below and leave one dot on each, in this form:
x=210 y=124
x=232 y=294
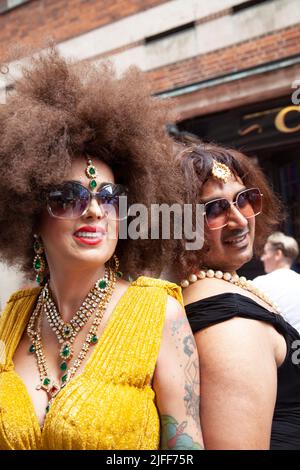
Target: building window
x=169 y=32
x=6 y=5
x=247 y=4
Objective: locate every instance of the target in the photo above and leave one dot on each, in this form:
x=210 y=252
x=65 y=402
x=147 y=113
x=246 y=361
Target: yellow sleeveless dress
x=110 y=404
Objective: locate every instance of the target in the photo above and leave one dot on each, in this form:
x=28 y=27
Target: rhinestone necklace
x=235 y=279
x=66 y=332
x=34 y=333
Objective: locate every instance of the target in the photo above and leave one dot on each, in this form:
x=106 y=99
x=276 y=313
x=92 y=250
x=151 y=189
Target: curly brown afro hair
x=58 y=111
x=195 y=162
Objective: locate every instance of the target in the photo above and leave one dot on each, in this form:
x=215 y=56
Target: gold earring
x=39 y=261
x=116 y=266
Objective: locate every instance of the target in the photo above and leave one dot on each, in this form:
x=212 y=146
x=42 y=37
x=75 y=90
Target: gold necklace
x=66 y=333
x=235 y=279
x=34 y=333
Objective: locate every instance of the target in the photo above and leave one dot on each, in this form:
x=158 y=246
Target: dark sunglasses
x=71 y=200
x=217 y=212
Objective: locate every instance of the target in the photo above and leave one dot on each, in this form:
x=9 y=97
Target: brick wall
x=267 y=48
x=31 y=23
x=65 y=19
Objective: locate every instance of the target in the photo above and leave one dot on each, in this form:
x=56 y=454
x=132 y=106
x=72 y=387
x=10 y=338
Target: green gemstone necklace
x=34 y=333
x=66 y=332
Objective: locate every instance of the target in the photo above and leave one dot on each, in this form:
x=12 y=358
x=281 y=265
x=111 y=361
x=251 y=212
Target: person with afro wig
x=88 y=359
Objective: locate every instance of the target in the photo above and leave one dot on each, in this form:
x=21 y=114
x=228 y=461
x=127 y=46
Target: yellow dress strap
x=13 y=321
x=171 y=288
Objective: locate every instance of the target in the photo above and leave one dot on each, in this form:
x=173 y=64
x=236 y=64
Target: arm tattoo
x=191 y=372
x=192 y=385
x=173 y=435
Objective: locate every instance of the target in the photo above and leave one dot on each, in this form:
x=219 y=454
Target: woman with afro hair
x=89 y=360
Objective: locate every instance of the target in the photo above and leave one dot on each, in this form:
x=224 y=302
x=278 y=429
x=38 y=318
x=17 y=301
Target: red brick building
x=232 y=67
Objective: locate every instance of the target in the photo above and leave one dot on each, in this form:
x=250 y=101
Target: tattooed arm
x=176 y=383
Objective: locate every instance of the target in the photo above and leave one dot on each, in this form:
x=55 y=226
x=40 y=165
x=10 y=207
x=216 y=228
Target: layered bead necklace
x=66 y=333
x=235 y=279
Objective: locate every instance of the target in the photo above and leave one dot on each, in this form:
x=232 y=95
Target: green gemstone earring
x=91 y=173
x=39 y=261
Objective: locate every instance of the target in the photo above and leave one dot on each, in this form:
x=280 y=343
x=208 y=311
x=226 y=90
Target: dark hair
x=59 y=111
x=195 y=163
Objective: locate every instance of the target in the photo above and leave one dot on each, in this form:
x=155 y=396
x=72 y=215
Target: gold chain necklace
x=235 y=279
x=34 y=333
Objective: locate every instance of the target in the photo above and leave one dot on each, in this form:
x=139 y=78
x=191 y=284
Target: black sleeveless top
x=286 y=419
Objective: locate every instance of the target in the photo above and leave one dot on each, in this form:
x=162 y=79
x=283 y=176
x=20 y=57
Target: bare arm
x=176 y=383
x=238 y=384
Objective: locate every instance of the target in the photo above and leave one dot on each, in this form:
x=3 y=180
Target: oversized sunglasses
x=71 y=200
x=217 y=212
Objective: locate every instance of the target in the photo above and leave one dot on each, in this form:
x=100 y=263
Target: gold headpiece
x=91 y=173
x=221 y=171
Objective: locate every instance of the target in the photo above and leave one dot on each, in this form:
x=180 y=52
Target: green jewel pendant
x=91 y=171
x=93 y=184
x=64 y=378
x=67 y=331
x=94 y=339
x=66 y=351
x=102 y=284
x=63 y=366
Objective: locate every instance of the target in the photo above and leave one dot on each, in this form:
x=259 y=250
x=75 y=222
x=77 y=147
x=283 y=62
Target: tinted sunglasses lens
x=109 y=199
x=69 y=201
x=249 y=202
x=217 y=213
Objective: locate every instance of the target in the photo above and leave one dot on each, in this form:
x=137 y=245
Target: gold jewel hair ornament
x=221 y=171
x=91 y=173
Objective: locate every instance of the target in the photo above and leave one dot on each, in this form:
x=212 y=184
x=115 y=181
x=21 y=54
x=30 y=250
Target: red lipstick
x=90 y=234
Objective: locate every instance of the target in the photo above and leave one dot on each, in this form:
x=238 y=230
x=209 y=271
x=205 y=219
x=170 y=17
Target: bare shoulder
x=176 y=320
x=237 y=340
x=174 y=310
x=205 y=288
x=176 y=328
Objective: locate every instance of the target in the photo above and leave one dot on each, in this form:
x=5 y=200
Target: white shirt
x=283 y=287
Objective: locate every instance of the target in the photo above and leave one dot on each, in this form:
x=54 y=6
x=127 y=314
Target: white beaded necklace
x=235 y=279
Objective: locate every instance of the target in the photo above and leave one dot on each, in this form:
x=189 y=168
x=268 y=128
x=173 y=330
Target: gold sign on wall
x=280 y=120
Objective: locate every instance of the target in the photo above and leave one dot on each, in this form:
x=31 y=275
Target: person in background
x=280 y=282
